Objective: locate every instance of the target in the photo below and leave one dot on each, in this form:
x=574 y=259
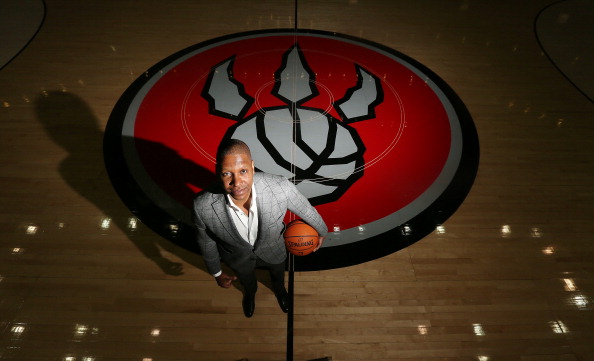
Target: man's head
x=235 y=169
x=229 y=146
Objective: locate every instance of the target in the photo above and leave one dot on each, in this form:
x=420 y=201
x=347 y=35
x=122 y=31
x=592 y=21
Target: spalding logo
x=381 y=146
x=301 y=243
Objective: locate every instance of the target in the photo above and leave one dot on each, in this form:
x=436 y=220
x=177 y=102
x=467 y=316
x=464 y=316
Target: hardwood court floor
x=509 y=276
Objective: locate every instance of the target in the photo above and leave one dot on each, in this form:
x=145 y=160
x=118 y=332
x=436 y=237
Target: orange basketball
x=300 y=238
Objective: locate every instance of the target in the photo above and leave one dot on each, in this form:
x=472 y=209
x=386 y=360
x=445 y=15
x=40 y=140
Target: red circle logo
x=376 y=141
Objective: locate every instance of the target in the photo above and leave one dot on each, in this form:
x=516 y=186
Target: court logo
x=381 y=146
x=321 y=154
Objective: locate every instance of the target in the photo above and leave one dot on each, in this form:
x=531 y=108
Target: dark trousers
x=247 y=276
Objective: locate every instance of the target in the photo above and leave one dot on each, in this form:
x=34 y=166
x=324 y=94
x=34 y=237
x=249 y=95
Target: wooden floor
x=508 y=278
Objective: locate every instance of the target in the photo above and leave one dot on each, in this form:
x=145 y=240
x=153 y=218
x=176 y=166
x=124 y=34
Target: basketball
x=300 y=238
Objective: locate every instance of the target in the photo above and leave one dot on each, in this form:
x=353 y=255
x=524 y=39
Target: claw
x=226 y=96
x=294 y=79
x=360 y=101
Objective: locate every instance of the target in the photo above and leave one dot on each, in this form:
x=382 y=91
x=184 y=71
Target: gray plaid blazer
x=219 y=240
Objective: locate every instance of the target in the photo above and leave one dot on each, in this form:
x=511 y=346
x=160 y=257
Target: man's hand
x=320 y=241
x=224 y=280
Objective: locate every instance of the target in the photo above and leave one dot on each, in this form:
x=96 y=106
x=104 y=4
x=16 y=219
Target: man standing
x=240 y=222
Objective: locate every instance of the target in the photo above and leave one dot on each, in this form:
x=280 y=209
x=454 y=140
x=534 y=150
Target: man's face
x=236 y=172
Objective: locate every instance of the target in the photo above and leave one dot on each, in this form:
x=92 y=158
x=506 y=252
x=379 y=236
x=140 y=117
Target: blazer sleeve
x=298 y=204
x=208 y=247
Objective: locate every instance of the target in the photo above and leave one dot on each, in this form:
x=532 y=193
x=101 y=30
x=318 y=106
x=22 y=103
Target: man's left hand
x=320 y=241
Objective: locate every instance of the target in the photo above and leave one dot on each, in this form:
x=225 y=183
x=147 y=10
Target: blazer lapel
x=219 y=207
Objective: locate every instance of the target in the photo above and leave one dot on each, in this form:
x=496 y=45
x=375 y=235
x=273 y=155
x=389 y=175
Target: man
x=241 y=223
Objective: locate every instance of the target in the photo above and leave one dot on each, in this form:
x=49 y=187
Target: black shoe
x=283 y=300
x=249 y=304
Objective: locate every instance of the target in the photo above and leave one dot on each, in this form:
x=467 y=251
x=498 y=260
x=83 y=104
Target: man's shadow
x=69 y=122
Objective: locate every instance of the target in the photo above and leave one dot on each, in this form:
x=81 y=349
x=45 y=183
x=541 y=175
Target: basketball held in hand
x=300 y=238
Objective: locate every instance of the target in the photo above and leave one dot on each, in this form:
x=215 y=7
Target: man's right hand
x=224 y=280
